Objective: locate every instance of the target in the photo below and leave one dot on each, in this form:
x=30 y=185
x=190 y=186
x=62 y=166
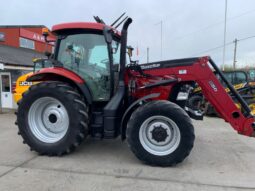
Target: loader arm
x=215 y=93
x=199 y=70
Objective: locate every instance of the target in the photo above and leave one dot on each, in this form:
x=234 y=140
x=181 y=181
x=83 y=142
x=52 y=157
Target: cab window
x=239 y=77
x=87 y=55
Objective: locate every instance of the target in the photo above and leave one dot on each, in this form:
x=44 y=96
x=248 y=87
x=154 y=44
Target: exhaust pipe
x=123 y=48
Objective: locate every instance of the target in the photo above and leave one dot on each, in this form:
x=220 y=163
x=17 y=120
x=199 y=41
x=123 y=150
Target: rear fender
x=63 y=75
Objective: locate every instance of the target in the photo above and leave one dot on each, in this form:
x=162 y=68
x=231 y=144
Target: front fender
x=130 y=110
x=59 y=71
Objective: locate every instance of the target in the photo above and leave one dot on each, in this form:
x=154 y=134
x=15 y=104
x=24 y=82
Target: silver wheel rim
x=163 y=147
x=48 y=119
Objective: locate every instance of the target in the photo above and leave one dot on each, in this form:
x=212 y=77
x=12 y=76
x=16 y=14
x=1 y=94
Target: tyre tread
x=82 y=116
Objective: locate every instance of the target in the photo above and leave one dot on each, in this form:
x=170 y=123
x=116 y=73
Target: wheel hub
x=48 y=119
x=159 y=134
x=53 y=118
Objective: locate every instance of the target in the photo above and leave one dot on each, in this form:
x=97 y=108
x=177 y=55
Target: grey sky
x=189 y=26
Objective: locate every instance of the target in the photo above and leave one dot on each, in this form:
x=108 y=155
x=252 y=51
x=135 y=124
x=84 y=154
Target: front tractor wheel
x=160 y=133
x=52 y=118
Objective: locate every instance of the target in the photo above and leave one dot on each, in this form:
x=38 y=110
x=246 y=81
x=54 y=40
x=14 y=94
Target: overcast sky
x=190 y=27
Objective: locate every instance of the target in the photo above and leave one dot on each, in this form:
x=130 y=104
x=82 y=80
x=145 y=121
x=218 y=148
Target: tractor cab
x=91 y=50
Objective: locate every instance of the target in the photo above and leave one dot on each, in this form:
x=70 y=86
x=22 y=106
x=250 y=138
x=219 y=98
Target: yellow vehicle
x=22 y=85
x=243 y=82
x=236 y=86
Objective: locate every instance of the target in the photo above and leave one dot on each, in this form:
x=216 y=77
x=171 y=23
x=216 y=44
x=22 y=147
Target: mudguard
x=130 y=110
x=65 y=75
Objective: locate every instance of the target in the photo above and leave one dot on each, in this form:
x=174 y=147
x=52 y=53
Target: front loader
x=242 y=84
x=91 y=90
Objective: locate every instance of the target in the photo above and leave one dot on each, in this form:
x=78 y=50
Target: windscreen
x=87 y=55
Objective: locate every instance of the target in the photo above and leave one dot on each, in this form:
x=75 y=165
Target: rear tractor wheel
x=52 y=118
x=195 y=102
x=160 y=133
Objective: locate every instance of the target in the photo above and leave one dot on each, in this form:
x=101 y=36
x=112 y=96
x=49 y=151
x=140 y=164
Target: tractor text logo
x=150 y=66
x=213 y=86
x=25 y=83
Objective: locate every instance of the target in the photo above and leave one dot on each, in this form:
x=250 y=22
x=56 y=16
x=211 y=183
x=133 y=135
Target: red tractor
x=91 y=90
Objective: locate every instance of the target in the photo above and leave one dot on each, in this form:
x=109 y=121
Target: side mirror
x=130 y=51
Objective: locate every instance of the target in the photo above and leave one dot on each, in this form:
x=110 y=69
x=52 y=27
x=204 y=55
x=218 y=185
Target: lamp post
x=225 y=31
x=161 y=38
x=234 y=61
x=148 y=57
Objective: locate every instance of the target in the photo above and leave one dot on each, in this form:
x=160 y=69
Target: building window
x=2 y=37
x=25 y=43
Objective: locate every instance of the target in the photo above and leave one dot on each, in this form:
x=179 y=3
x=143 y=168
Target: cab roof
x=80 y=25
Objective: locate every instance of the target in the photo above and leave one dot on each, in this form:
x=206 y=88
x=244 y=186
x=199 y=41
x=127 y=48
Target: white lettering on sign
x=213 y=86
x=150 y=66
x=38 y=37
x=182 y=71
x=25 y=83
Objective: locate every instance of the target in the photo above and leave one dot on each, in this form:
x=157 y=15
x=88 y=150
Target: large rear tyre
x=52 y=118
x=195 y=102
x=160 y=133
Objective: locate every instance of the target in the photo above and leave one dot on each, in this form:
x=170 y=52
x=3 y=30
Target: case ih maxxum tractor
x=91 y=90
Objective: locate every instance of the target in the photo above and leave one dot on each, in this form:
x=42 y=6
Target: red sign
x=33 y=36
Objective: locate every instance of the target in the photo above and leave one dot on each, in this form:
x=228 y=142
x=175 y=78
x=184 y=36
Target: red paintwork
x=49 y=73
x=199 y=72
x=202 y=74
x=81 y=25
x=78 y=25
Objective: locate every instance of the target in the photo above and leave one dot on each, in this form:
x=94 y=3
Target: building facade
x=25 y=36
x=19 y=45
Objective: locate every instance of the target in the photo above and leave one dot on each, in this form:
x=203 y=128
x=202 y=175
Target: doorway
x=5 y=90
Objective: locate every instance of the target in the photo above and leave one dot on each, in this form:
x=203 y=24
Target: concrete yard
x=220 y=160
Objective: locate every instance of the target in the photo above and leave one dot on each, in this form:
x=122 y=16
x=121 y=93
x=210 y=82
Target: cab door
x=6 y=94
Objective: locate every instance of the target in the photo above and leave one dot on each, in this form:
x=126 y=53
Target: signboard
x=2 y=37
x=32 y=35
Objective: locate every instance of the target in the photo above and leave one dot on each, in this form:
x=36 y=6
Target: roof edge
x=22 y=26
